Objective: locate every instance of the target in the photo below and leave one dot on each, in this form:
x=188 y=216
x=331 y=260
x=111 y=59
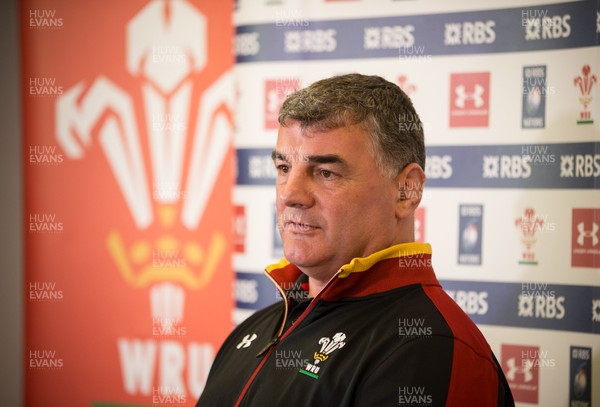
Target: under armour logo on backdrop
x=583 y=233
x=514 y=368
x=469 y=99
x=462 y=96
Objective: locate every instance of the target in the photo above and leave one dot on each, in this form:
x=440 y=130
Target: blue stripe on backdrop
x=524 y=305
x=529 y=304
x=547 y=27
x=552 y=166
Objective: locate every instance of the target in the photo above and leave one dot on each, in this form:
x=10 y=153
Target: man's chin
x=299 y=256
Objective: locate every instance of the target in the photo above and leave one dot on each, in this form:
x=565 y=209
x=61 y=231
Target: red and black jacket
x=381 y=333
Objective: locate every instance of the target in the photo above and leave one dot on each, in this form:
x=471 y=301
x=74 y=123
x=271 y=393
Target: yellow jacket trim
x=281 y=264
x=359 y=264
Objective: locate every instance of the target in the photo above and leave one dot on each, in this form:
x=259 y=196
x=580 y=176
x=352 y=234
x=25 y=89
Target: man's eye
x=283 y=169
x=327 y=174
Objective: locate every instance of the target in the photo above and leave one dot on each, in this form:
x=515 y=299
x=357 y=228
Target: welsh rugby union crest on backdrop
x=128 y=127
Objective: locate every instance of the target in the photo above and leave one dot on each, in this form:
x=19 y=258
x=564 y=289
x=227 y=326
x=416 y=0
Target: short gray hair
x=379 y=106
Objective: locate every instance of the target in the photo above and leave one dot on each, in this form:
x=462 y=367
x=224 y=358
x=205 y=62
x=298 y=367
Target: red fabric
x=383 y=276
x=285 y=275
x=469 y=346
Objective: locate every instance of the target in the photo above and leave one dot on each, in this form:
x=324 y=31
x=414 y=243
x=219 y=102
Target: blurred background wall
x=11 y=243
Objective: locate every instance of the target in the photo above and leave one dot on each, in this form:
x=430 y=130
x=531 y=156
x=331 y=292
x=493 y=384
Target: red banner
x=128 y=174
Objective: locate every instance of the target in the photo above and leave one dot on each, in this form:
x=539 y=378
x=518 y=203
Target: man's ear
x=410 y=183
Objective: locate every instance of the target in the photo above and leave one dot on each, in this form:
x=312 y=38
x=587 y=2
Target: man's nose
x=297 y=190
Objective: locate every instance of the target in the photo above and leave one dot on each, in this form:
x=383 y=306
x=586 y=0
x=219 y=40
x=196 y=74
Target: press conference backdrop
x=135 y=113
x=128 y=128
x=508 y=94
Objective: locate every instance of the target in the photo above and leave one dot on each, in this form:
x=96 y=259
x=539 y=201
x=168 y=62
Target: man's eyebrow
x=315 y=159
x=275 y=155
x=326 y=159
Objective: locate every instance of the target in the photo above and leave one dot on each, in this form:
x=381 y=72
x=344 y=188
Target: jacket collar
x=397 y=266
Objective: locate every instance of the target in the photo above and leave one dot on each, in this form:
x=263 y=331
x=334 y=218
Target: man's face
x=332 y=202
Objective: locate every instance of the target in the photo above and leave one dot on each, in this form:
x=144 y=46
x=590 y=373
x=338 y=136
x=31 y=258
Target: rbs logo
x=547 y=27
x=506 y=166
x=471 y=302
x=438 y=166
x=470 y=32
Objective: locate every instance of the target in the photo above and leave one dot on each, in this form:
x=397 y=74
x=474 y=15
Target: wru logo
x=328 y=345
x=182 y=159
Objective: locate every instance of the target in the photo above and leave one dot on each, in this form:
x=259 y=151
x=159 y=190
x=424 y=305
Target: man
x=364 y=321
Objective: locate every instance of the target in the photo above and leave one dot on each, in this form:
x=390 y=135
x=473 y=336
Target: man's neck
x=316 y=286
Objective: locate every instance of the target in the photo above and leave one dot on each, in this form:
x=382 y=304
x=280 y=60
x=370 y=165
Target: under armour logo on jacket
x=246 y=341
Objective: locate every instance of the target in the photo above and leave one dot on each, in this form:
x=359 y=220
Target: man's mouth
x=296 y=226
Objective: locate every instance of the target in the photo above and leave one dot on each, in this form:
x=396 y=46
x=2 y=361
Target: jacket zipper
x=268 y=349
x=275 y=340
